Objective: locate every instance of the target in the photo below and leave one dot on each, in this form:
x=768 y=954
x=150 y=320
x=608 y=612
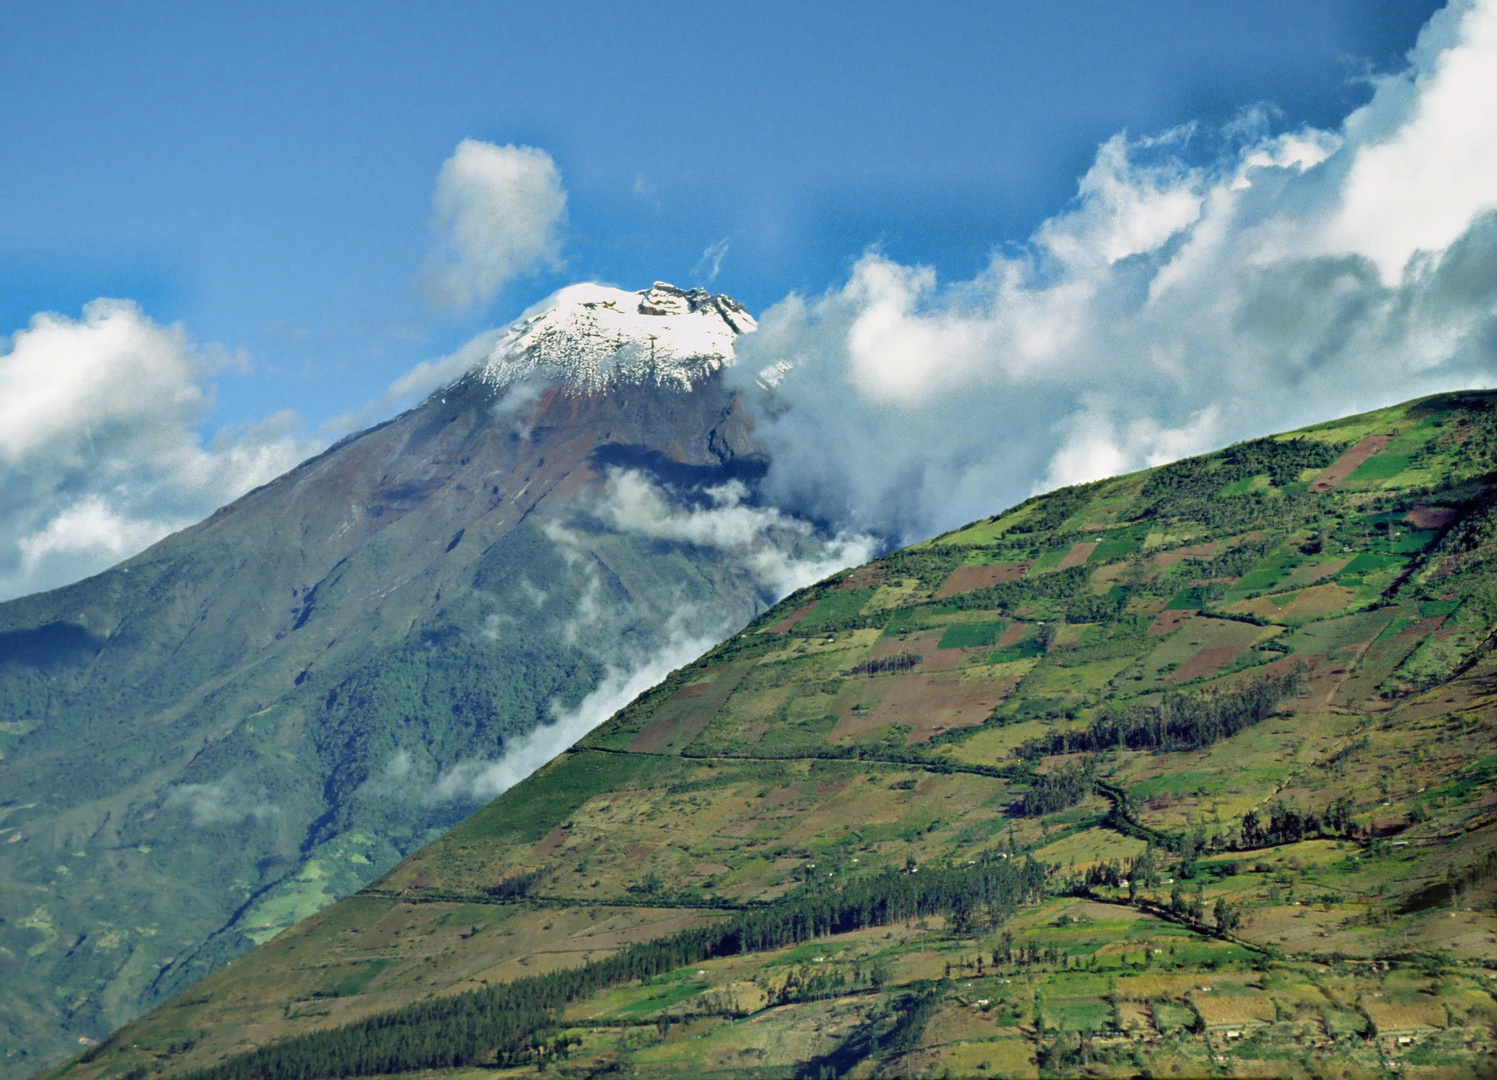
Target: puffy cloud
x=100 y=453
x=89 y=528
x=1184 y=300
x=497 y=211
x=1423 y=157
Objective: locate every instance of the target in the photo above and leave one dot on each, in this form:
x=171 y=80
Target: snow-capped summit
x=593 y=337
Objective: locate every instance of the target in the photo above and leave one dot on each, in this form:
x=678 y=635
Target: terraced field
x=1187 y=772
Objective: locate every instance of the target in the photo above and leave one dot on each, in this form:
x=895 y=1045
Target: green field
x=972 y=635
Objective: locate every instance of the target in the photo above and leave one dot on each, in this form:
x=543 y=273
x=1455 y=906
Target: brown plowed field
x=1012 y=635
x=1179 y=555
x=932 y=658
x=867 y=577
x=1078 y=555
x=1431 y=517
x=785 y=624
x=550 y=843
x=1170 y=620
x=1326 y=677
x=686 y=715
x=969 y=578
x=1205 y=662
x=1350 y=462
x=929 y=704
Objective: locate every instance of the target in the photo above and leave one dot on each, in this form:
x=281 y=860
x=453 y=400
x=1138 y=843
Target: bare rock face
x=265 y=711
x=665 y=299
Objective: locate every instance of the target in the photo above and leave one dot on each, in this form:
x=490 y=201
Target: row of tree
x=1056 y=790
x=518 y=1023
x=1287 y=825
x=1180 y=722
x=886 y=665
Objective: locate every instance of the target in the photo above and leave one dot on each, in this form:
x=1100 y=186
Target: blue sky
x=263 y=173
x=1005 y=246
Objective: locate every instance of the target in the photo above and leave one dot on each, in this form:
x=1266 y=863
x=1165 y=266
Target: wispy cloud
x=623 y=680
x=711 y=263
x=222 y=802
x=641 y=639
x=497 y=213
x=1183 y=300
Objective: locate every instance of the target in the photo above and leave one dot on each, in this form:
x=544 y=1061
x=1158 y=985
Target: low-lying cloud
x=622 y=682
x=222 y=802
x=1183 y=301
x=781 y=552
x=100 y=452
x=497 y=213
x=640 y=641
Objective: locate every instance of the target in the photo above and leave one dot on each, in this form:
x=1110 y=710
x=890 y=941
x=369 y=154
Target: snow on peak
x=593 y=337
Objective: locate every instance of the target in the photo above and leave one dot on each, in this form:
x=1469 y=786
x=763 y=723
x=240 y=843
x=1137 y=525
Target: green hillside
x=1189 y=772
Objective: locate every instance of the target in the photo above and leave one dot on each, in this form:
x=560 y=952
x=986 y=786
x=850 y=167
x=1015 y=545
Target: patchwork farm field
x=1183 y=773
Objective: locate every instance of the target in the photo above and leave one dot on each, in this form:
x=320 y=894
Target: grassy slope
x=790 y=759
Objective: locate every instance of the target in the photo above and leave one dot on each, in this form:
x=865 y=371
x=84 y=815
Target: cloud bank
x=1204 y=286
x=496 y=213
x=100 y=453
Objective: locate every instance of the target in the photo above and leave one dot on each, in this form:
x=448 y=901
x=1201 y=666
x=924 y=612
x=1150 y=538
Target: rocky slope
x=1187 y=772
x=263 y=712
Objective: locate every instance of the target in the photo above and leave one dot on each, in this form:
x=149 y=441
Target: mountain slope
x=264 y=711
x=1187 y=771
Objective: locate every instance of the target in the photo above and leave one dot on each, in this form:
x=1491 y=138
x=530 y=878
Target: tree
x=1145 y=869
x=1227 y=916
x=1252 y=830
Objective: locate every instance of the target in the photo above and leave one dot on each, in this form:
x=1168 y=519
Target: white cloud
x=415 y=384
x=1178 y=304
x=622 y=682
x=588 y=614
x=91 y=530
x=222 y=802
x=1424 y=156
x=641 y=640
x=497 y=211
x=781 y=552
x=100 y=453
x=711 y=263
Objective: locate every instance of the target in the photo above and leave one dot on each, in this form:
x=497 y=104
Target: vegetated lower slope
x=1189 y=771
x=227 y=732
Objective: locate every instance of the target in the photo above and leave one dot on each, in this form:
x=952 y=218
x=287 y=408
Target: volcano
x=264 y=711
